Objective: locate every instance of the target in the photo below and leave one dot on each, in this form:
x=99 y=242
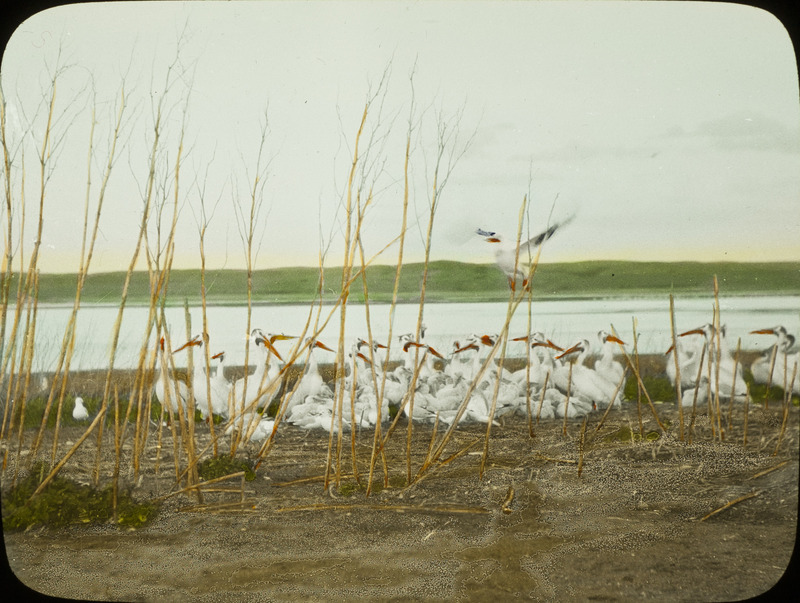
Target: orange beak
x=195 y=341
x=319 y=344
x=569 y=351
x=471 y=346
x=546 y=344
x=220 y=355
x=672 y=347
x=692 y=332
x=486 y=340
x=281 y=337
x=763 y=332
x=269 y=346
x=615 y=340
x=435 y=353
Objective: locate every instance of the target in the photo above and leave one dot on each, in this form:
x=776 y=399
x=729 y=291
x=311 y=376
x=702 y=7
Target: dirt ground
x=630 y=526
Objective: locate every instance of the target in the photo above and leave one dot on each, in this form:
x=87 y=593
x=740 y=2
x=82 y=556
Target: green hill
x=447 y=281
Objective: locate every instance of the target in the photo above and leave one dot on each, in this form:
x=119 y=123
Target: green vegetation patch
x=658 y=388
x=64 y=502
x=221 y=466
x=625 y=434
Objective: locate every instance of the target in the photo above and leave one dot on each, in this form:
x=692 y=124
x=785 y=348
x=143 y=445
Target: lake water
x=563 y=321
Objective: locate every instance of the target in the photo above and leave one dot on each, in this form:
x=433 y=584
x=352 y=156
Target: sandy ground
x=629 y=527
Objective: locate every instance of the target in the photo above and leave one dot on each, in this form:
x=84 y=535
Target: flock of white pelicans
x=554 y=382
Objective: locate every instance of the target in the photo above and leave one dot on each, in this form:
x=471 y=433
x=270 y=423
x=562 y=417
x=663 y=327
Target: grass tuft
x=220 y=466
x=64 y=502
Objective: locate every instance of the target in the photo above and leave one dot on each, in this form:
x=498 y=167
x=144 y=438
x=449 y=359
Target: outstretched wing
x=532 y=243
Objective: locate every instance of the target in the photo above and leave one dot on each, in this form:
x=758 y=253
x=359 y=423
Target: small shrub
x=221 y=466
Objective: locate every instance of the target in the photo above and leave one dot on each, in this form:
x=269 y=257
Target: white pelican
x=260 y=387
x=219 y=389
x=539 y=369
x=784 y=363
x=311 y=382
x=79 y=413
x=726 y=362
x=516 y=265
x=689 y=355
x=168 y=391
x=586 y=383
x=605 y=366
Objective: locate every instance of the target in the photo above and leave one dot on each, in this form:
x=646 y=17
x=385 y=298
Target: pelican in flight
x=515 y=258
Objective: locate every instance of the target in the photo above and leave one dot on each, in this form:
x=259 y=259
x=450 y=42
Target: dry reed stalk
x=345 y=292
x=141 y=238
x=746 y=415
x=25 y=372
x=733 y=385
x=357 y=244
x=143 y=407
x=462 y=408
x=423 y=288
x=566 y=398
x=677 y=364
x=541 y=396
x=770 y=470
x=608 y=408
x=554 y=460
x=433 y=439
x=6 y=269
x=581 y=444
x=117 y=451
x=635 y=370
x=69 y=453
x=696 y=392
x=202 y=485
x=634 y=322
x=528 y=412
x=247 y=231
x=513 y=303
x=718 y=345
x=504 y=342
x=709 y=391
x=202 y=227
x=397 y=508
x=787 y=396
x=423 y=472
x=731 y=503
x=305 y=480
x=21 y=302
x=403 y=404
x=353 y=385
x=772 y=360
x=377 y=440
x=505 y=507
x=244 y=505
x=193 y=476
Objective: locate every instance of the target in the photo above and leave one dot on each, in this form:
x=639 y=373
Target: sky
x=669 y=131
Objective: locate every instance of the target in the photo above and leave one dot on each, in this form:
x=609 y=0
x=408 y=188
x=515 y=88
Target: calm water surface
x=565 y=322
